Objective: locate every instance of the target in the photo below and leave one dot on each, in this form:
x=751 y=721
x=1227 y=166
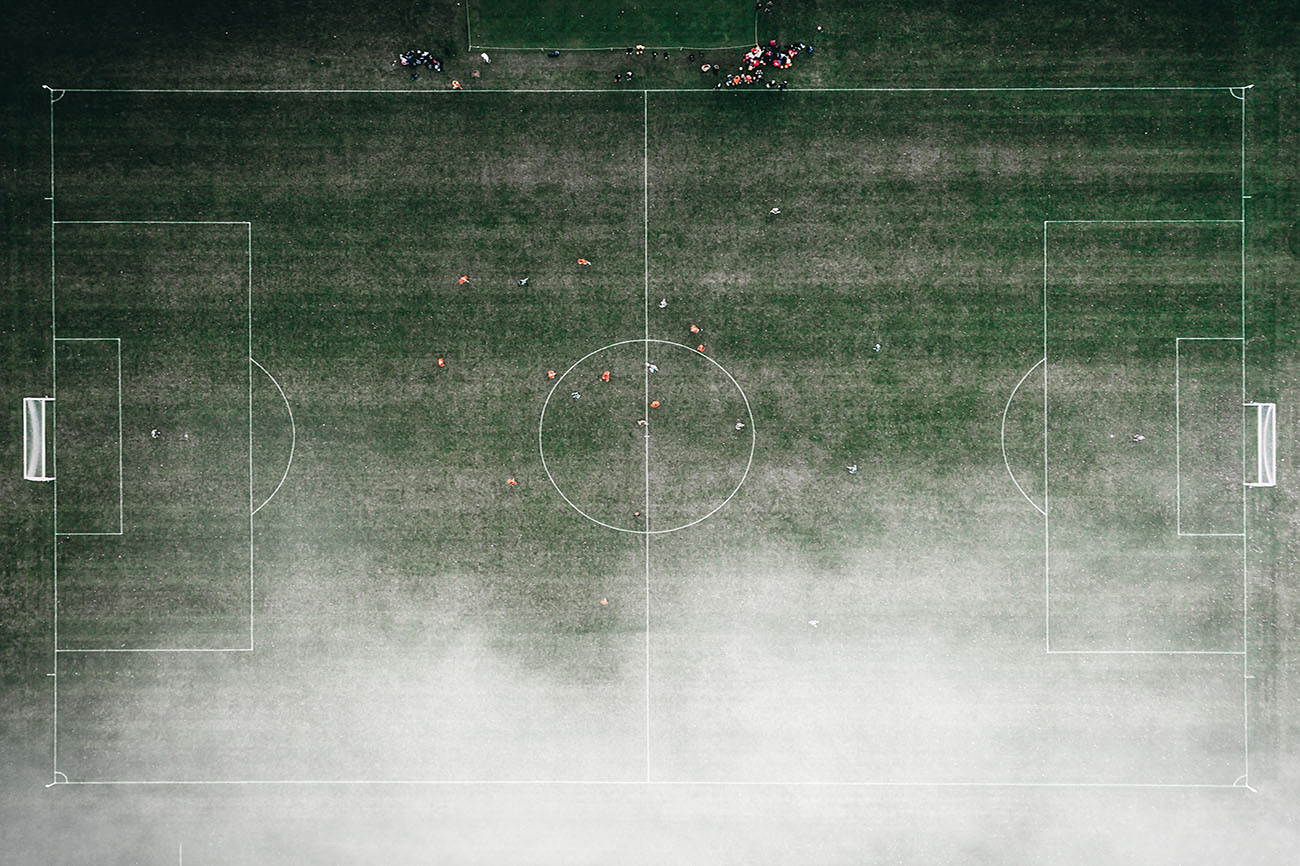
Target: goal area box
x=151 y=445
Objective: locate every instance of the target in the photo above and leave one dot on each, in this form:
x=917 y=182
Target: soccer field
x=851 y=472
x=322 y=520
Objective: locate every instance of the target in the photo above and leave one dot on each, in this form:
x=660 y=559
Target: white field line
x=54 y=465
x=883 y=783
x=709 y=90
x=110 y=650
x=293 y=434
x=1129 y=652
x=645 y=250
x=251 y=362
x=1140 y=222
x=1005 y=460
x=1245 y=584
x=904 y=89
x=121 y=495
x=1047 y=527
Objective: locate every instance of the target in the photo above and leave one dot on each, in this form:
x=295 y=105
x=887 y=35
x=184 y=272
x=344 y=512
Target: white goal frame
x=35 y=438
x=1265 y=444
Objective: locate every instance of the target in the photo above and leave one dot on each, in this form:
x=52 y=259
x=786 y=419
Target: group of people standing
x=413 y=60
x=774 y=55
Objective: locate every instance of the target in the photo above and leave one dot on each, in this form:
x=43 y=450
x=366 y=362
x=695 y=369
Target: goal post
x=1265 y=419
x=34 y=444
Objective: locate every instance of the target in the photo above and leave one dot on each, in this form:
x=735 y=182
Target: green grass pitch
x=914 y=222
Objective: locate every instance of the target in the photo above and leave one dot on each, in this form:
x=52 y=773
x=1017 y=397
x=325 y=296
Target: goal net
x=34 y=439
x=1265 y=444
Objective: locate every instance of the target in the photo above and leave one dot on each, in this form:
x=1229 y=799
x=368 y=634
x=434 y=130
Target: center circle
x=659 y=436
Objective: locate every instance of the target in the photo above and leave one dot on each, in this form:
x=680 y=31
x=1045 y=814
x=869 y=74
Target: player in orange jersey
x=463 y=280
x=604 y=377
x=583 y=262
x=442 y=362
x=550 y=374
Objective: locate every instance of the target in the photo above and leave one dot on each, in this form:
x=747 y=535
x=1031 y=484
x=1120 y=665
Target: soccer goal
x=34 y=447
x=1265 y=415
